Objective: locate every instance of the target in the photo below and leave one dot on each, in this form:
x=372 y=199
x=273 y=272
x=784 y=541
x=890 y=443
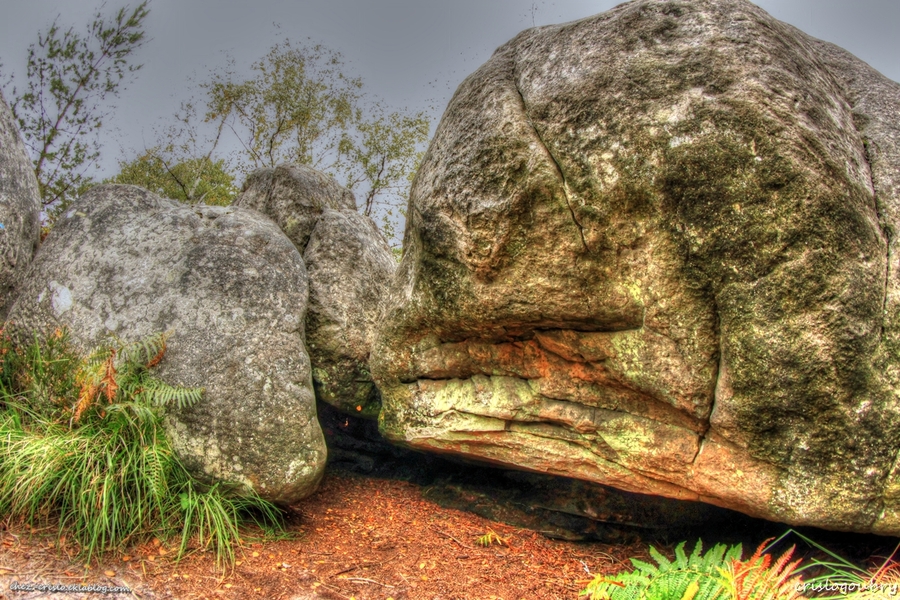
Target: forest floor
x=375 y=531
x=357 y=537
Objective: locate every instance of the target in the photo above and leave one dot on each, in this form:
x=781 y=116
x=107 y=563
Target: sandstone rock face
x=20 y=209
x=655 y=249
x=232 y=289
x=350 y=268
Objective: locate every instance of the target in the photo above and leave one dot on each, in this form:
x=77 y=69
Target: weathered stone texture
x=232 y=289
x=655 y=249
x=20 y=209
x=350 y=268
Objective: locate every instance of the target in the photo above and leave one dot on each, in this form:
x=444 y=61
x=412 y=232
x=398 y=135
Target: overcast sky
x=411 y=53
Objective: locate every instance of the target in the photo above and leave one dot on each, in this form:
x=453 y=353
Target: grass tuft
x=82 y=442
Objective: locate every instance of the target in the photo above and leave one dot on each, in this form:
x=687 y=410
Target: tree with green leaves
x=71 y=79
x=300 y=107
x=383 y=158
x=192 y=180
x=178 y=168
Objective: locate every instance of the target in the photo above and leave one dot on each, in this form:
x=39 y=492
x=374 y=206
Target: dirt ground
x=357 y=538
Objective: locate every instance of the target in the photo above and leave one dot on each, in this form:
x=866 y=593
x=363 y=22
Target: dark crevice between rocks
x=556 y=163
x=720 y=369
x=557 y=507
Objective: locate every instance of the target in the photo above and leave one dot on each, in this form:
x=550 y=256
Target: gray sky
x=411 y=53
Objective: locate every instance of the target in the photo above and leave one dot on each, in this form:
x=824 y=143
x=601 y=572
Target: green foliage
x=719 y=574
x=383 y=158
x=491 y=538
x=300 y=107
x=192 y=180
x=179 y=167
x=81 y=440
x=294 y=109
x=70 y=79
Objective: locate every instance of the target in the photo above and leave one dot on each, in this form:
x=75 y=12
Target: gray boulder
x=20 y=209
x=350 y=268
x=232 y=289
x=294 y=196
x=655 y=249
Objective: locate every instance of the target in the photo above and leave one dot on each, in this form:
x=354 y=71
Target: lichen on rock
x=654 y=249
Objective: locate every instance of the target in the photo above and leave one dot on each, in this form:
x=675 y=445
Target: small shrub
x=491 y=538
x=81 y=441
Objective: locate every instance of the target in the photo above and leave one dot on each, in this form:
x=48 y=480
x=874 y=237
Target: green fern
x=122 y=375
x=688 y=577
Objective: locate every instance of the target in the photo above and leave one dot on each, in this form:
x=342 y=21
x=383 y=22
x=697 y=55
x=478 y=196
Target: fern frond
x=681 y=559
x=758 y=579
x=663 y=562
x=159 y=356
x=85 y=399
x=645 y=568
x=691 y=591
x=147 y=352
x=160 y=393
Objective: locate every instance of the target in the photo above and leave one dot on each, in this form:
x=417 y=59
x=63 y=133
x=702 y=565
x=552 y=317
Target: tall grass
x=836 y=578
x=82 y=442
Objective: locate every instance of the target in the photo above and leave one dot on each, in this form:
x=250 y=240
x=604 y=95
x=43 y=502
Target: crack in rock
x=556 y=163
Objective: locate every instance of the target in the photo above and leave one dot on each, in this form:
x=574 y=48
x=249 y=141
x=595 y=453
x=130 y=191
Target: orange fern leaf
x=758 y=578
x=85 y=399
x=159 y=355
x=109 y=376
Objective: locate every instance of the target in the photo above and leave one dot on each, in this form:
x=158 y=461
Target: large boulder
x=232 y=289
x=656 y=249
x=20 y=209
x=350 y=268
